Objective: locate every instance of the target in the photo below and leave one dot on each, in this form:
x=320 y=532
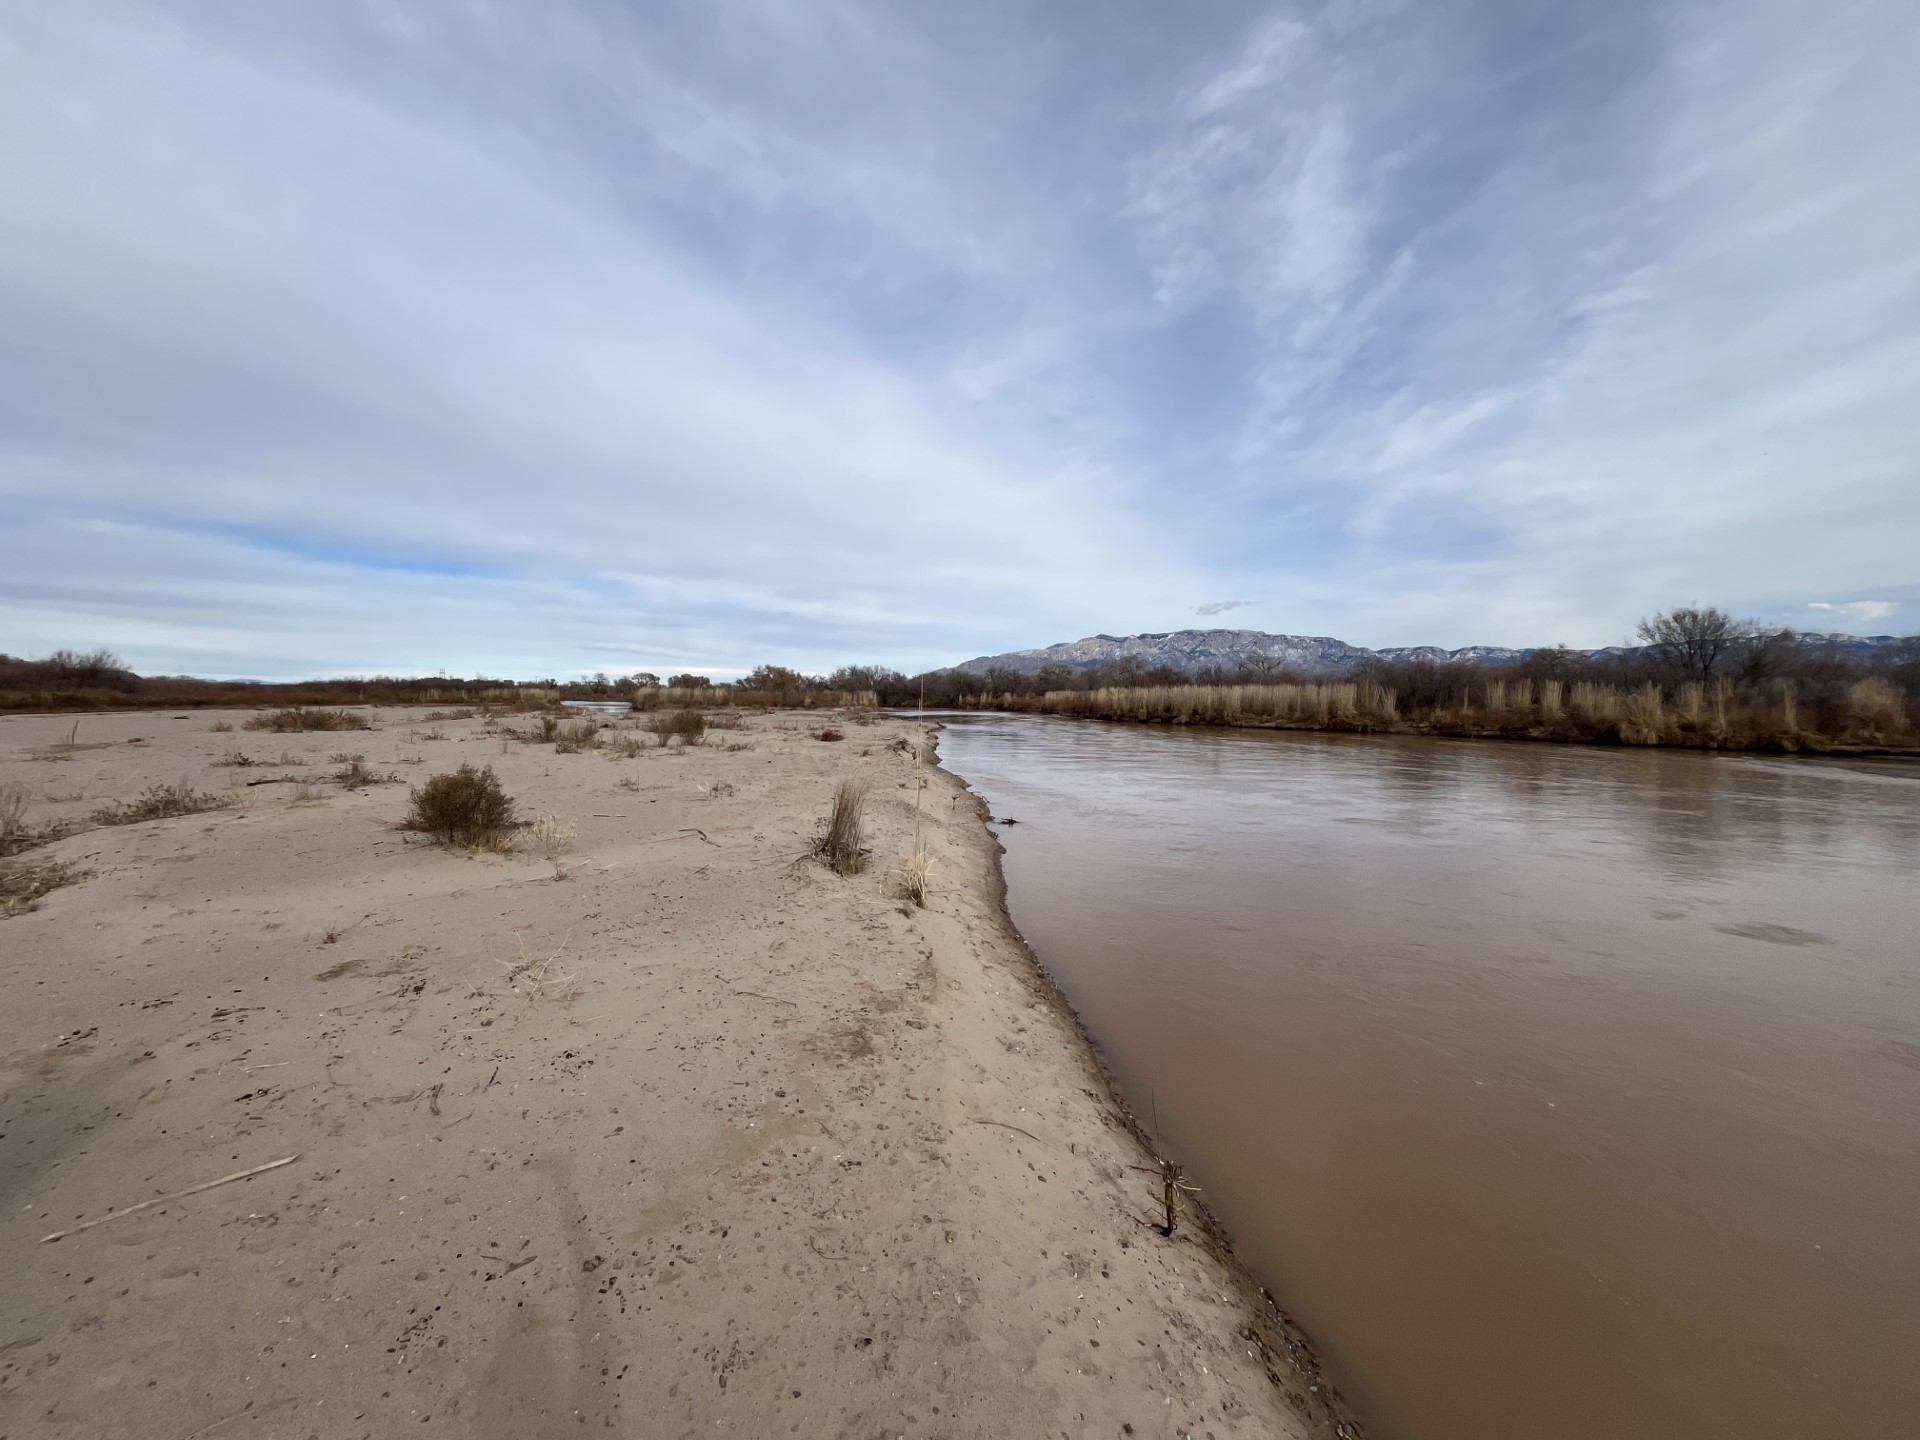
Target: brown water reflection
x=1560 y=1092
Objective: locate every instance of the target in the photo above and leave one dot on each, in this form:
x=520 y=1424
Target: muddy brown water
x=1561 y=1093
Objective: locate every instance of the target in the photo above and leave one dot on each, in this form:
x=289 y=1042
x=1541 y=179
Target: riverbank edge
x=1814 y=748
x=1281 y=1342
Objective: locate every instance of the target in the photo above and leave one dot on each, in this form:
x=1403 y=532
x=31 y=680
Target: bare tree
x=1694 y=642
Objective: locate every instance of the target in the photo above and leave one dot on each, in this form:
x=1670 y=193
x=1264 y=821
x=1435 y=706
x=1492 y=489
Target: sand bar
x=674 y=1132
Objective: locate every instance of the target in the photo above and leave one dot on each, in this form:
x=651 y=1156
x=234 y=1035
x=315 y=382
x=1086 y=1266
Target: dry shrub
x=828 y=734
x=160 y=802
x=1874 y=705
x=221 y=727
x=13 y=815
x=626 y=747
x=353 y=773
x=237 y=759
x=463 y=807
x=840 y=845
x=572 y=739
x=689 y=725
x=550 y=835
x=913 y=875
x=298 y=718
x=1641 y=717
x=448 y=715
x=23 y=886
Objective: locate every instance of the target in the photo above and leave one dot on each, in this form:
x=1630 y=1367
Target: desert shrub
x=572 y=739
x=550 y=835
x=353 y=773
x=160 y=802
x=13 y=815
x=299 y=718
x=236 y=759
x=463 y=807
x=627 y=746
x=840 y=845
x=221 y=727
x=828 y=734
x=689 y=725
x=22 y=886
x=448 y=715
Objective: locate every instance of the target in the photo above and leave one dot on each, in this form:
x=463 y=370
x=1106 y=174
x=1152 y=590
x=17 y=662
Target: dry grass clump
x=23 y=886
x=689 y=725
x=828 y=734
x=221 y=727
x=448 y=715
x=16 y=835
x=463 y=807
x=299 y=718
x=840 y=846
x=626 y=747
x=237 y=759
x=913 y=875
x=160 y=802
x=353 y=773
x=572 y=739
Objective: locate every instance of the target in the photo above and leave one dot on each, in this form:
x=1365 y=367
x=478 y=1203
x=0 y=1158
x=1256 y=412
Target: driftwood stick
x=1005 y=1126
x=163 y=1199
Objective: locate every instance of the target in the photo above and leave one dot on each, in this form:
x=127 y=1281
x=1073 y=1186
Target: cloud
x=340 y=338
x=1220 y=607
x=1863 y=612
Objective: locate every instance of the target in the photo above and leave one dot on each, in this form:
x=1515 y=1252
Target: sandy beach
x=670 y=1131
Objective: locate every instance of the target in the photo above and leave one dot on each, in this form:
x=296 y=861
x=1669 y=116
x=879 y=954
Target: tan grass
x=160 y=802
x=840 y=845
x=298 y=718
x=913 y=874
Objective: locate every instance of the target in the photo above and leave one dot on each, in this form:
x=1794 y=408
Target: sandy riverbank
x=679 y=1133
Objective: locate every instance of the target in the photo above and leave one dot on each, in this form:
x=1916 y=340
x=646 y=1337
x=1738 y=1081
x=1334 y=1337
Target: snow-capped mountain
x=1194 y=650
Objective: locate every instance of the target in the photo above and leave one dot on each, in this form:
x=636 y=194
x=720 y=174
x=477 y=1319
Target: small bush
x=221 y=727
x=828 y=734
x=160 y=802
x=627 y=746
x=840 y=845
x=298 y=718
x=448 y=715
x=236 y=759
x=572 y=739
x=913 y=875
x=353 y=773
x=23 y=886
x=550 y=835
x=465 y=807
x=689 y=725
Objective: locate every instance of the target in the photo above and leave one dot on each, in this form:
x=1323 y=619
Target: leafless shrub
x=237 y=759
x=828 y=734
x=840 y=846
x=550 y=835
x=463 y=807
x=299 y=718
x=448 y=715
x=221 y=727
x=160 y=802
x=626 y=747
x=353 y=773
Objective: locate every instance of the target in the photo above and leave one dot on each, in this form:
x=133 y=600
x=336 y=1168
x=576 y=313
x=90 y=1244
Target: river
x=1561 y=1093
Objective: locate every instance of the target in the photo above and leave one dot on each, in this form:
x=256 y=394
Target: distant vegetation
x=1700 y=679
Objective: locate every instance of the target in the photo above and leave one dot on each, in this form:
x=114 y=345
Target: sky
x=400 y=336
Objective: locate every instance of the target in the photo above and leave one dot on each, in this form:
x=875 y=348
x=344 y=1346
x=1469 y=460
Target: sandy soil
x=678 y=1133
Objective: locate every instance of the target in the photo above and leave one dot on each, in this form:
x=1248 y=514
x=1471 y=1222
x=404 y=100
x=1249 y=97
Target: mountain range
x=1190 y=651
